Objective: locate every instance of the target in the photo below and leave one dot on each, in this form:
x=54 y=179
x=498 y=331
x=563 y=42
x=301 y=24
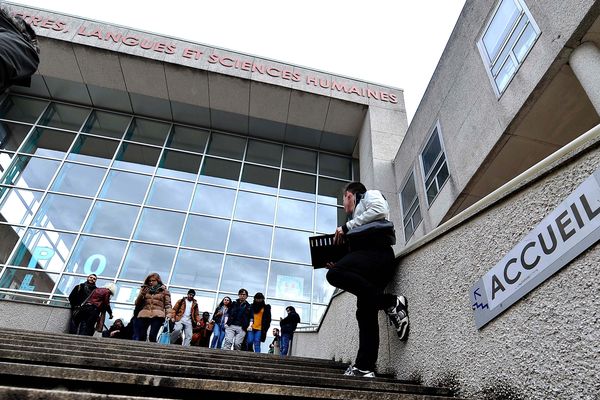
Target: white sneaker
x=398 y=315
x=353 y=371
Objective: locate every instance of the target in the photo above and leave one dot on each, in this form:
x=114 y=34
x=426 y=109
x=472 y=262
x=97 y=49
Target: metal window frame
x=416 y=199
x=436 y=128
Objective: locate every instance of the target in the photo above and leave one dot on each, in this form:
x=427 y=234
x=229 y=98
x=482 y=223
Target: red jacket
x=101 y=298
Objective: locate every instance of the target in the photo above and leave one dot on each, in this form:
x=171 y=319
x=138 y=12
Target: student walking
x=219 y=318
x=288 y=327
x=154 y=302
x=237 y=322
x=260 y=322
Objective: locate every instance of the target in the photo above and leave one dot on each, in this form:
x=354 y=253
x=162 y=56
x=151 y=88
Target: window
x=411 y=212
x=506 y=41
x=435 y=167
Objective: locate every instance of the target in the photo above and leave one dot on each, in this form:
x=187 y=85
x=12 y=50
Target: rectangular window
x=411 y=212
x=506 y=41
x=435 y=167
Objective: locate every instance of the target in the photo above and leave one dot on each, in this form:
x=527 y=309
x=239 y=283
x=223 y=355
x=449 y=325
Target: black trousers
x=86 y=320
x=365 y=274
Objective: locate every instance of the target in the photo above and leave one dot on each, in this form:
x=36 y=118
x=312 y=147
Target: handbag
x=77 y=310
x=165 y=336
x=379 y=232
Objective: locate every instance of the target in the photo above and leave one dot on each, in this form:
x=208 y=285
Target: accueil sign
x=565 y=233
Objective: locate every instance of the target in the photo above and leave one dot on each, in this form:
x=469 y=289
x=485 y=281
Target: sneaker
x=353 y=371
x=398 y=315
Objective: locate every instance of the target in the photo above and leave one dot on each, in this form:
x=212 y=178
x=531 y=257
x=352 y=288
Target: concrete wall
x=543 y=347
x=34 y=317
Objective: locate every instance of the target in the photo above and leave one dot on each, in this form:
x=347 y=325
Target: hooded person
x=260 y=322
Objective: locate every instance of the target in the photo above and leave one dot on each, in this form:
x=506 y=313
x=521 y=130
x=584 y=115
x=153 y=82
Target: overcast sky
x=394 y=43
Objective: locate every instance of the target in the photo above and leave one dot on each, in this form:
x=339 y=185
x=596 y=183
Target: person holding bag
x=219 y=319
x=94 y=309
x=156 y=301
x=77 y=298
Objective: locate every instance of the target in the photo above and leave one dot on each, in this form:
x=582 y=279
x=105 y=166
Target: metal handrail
x=32 y=299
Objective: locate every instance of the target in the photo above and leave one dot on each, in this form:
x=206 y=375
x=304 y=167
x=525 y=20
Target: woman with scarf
x=219 y=319
x=260 y=322
x=154 y=303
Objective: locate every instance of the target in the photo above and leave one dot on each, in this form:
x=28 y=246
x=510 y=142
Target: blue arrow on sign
x=476 y=294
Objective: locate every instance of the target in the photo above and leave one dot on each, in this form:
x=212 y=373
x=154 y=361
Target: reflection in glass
x=125 y=186
x=213 y=200
x=169 y=193
x=93 y=150
x=17 y=206
x=264 y=153
x=289 y=281
x=278 y=311
x=179 y=165
x=137 y=158
x=329 y=218
x=331 y=191
x=22 y=109
x=12 y=135
x=147 y=131
x=46 y=250
x=250 y=239
x=62 y=212
x=300 y=159
x=205 y=233
x=159 y=226
x=78 y=179
x=31 y=172
x=291 y=245
x=189 y=139
x=247 y=273
x=317 y=314
x=322 y=290
x=111 y=219
x=107 y=124
x=68 y=282
x=48 y=142
x=300 y=186
x=28 y=280
x=220 y=172
x=261 y=179
x=10 y=236
x=336 y=166
x=126 y=293
x=99 y=256
x=143 y=259
x=64 y=116
x=296 y=214
x=226 y=146
x=5 y=160
x=255 y=207
x=197 y=269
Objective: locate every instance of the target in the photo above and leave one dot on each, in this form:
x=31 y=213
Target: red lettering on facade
x=213 y=59
x=226 y=62
x=311 y=80
x=274 y=72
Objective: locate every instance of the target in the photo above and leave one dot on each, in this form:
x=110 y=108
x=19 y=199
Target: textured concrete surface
x=36 y=317
x=543 y=347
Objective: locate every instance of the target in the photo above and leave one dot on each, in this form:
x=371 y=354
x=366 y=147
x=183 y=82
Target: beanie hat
x=112 y=287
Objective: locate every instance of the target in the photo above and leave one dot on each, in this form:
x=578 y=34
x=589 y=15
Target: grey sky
x=395 y=43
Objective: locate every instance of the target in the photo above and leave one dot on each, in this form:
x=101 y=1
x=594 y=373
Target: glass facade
x=89 y=191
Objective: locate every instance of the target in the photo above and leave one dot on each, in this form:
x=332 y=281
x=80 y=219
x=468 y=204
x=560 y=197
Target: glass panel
x=250 y=239
x=264 y=153
x=179 y=165
x=107 y=124
x=442 y=175
x=5 y=160
x=331 y=191
x=206 y=300
x=12 y=135
x=226 y=146
x=22 y=109
x=289 y=281
x=432 y=191
x=62 y=212
x=300 y=159
x=146 y=131
x=197 y=269
x=255 y=207
x=296 y=214
x=93 y=150
x=78 y=179
x=499 y=28
x=317 y=314
x=44 y=250
x=278 y=311
x=261 y=179
x=416 y=219
x=409 y=229
x=505 y=74
x=31 y=172
x=336 y=166
x=431 y=152
x=299 y=186
x=144 y=259
x=525 y=42
x=48 y=142
x=125 y=186
x=17 y=206
x=329 y=218
x=205 y=233
x=67 y=283
x=159 y=226
x=509 y=46
x=137 y=158
x=213 y=200
x=122 y=312
x=169 y=193
x=322 y=290
x=64 y=116
x=184 y=138
x=220 y=172
x=127 y=293
x=291 y=245
x=408 y=194
x=10 y=236
x=98 y=256
x=111 y=219
x=28 y=280
x=247 y=273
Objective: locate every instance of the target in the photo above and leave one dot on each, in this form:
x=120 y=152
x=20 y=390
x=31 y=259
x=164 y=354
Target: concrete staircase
x=38 y=365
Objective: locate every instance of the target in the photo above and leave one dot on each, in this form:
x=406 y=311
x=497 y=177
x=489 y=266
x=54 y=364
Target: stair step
x=13 y=393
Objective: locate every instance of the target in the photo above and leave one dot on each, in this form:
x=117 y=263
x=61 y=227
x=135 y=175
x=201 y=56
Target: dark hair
x=355 y=187
x=290 y=308
x=192 y=291
x=93 y=275
x=223 y=301
x=153 y=275
x=259 y=295
x=243 y=291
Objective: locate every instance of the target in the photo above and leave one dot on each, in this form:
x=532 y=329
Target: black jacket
x=289 y=323
x=265 y=323
x=18 y=51
x=239 y=314
x=80 y=293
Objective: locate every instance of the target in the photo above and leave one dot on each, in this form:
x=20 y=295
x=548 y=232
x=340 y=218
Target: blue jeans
x=286 y=339
x=218 y=336
x=253 y=338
